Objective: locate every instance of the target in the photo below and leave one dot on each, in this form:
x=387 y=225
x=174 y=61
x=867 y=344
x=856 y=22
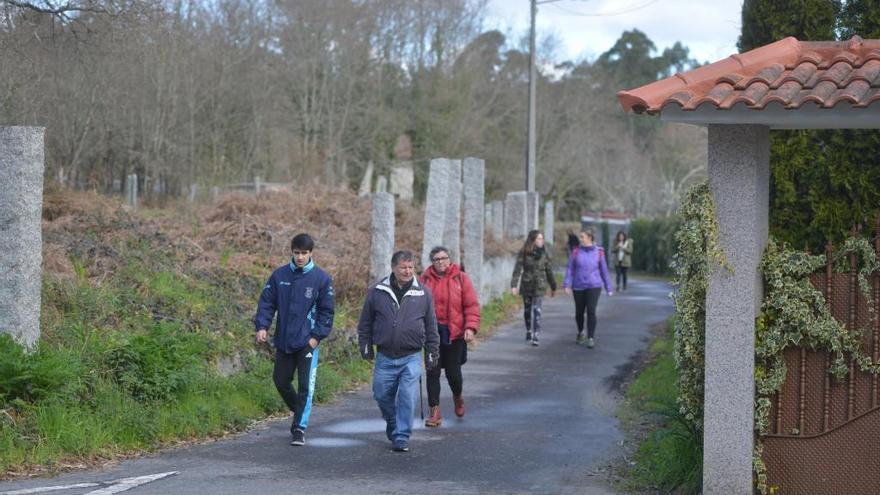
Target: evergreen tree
x=823 y=182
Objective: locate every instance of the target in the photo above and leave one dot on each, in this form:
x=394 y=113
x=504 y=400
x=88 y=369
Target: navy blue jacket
x=303 y=299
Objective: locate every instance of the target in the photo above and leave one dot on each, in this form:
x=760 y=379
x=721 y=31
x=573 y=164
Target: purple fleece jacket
x=587 y=269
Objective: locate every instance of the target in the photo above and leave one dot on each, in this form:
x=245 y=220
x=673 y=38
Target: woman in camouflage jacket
x=533 y=273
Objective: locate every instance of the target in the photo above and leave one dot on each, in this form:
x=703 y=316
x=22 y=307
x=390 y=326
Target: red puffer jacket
x=455 y=300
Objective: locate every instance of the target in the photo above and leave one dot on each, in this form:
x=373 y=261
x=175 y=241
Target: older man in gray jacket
x=398 y=319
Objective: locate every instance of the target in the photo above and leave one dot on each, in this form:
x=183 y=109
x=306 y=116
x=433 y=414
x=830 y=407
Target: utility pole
x=530 y=147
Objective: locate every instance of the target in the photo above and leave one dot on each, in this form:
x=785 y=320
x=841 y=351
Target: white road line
x=108 y=487
x=26 y=491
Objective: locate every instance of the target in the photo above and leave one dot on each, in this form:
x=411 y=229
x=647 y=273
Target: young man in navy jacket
x=302 y=295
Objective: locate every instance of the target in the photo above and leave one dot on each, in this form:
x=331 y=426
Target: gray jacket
x=401 y=328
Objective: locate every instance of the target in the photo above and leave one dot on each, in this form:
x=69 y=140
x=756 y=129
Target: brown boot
x=459 y=405
x=434 y=419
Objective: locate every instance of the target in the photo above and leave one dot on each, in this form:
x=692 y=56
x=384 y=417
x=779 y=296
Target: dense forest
x=211 y=92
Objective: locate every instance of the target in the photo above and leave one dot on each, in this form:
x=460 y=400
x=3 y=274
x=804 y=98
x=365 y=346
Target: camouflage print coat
x=533 y=272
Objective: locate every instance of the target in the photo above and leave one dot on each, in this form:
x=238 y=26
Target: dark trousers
x=450 y=359
x=621 y=272
x=532 y=313
x=586 y=299
x=305 y=363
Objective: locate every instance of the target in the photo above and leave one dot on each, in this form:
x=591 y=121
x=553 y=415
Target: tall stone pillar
x=435 y=207
x=739 y=177
x=382 y=244
x=516 y=215
x=498 y=220
x=549 y=217
x=131 y=190
x=474 y=173
x=21 y=238
x=452 y=231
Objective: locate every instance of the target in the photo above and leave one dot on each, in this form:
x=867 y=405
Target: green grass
x=669 y=459
x=497 y=312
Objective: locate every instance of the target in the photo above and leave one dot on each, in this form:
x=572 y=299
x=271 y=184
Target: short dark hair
x=437 y=249
x=399 y=256
x=303 y=242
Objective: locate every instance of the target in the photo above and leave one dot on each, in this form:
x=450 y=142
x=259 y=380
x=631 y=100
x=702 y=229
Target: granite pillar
x=739 y=179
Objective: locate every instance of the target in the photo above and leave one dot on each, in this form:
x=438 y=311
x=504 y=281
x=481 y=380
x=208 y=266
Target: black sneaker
x=528 y=336
x=401 y=446
x=580 y=337
x=299 y=437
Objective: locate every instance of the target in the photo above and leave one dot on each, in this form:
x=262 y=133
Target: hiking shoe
x=528 y=336
x=535 y=341
x=434 y=420
x=401 y=446
x=389 y=430
x=590 y=343
x=580 y=337
x=299 y=437
x=459 y=405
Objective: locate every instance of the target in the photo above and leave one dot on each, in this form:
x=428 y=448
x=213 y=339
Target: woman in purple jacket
x=586 y=275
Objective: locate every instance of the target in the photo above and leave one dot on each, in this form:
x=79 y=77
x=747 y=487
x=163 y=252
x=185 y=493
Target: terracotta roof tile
x=788 y=72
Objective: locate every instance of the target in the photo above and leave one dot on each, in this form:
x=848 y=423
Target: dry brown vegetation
x=243 y=233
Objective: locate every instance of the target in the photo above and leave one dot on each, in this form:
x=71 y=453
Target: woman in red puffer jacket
x=458 y=320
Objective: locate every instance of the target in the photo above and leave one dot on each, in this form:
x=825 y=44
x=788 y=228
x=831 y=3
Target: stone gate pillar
x=21 y=238
x=739 y=171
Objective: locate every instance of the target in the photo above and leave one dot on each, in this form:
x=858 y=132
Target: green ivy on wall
x=793 y=313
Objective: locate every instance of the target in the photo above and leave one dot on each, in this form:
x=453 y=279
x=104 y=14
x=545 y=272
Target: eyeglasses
x=440 y=258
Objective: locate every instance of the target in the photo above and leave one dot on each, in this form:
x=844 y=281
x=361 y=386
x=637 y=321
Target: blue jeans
x=395 y=386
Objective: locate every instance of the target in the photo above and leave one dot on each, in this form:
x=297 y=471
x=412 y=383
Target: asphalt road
x=538 y=420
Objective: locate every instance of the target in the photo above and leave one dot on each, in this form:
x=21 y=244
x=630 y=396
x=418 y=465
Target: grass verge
x=669 y=454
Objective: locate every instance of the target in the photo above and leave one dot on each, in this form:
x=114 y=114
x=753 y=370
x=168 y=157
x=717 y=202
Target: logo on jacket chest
x=309 y=292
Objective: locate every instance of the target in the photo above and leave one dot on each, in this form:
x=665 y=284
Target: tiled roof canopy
x=788 y=72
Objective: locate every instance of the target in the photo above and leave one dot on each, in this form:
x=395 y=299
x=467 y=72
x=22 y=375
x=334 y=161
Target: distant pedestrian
x=586 y=275
x=458 y=320
x=533 y=272
x=623 y=249
x=398 y=318
x=302 y=296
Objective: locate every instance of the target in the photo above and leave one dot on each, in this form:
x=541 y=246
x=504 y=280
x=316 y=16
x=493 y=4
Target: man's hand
x=262 y=336
x=568 y=290
x=432 y=362
x=468 y=335
x=313 y=342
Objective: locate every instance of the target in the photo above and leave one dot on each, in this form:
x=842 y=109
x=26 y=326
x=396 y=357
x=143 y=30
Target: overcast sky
x=708 y=27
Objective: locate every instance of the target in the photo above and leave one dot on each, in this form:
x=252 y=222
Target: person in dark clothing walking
x=398 y=318
x=302 y=296
x=458 y=320
x=533 y=273
x=572 y=241
x=623 y=249
x=585 y=276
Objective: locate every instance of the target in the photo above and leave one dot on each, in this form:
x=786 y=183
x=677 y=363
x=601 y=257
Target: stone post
x=401 y=181
x=515 y=215
x=131 y=190
x=549 y=217
x=367 y=181
x=215 y=193
x=382 y=245
x=474 y=173
x=498 y=220
x=452 y=230
x=435 y=207
x=739 y=177
x=21 y=239
x=258 y=184
x=532 y=213
x=382 y=184
x=193 y=190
